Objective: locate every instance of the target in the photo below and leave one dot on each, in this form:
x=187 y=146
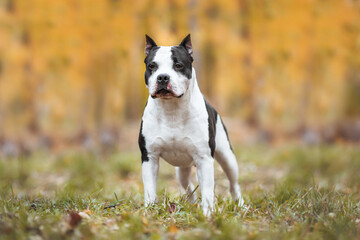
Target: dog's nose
x=163 y=79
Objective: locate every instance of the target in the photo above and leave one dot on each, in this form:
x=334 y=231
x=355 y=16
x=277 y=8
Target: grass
x=292 y=192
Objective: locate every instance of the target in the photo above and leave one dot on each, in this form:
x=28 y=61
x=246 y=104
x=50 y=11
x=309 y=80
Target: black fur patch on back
x=181 y=55
x=142 y=145
x=212 y=126
x=149 y=58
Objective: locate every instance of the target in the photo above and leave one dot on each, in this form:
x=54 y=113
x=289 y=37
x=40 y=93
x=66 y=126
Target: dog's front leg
x=205 y=174
x=150 y=171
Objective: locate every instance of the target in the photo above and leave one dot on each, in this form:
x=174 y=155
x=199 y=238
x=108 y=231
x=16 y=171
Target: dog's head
x=168 y=69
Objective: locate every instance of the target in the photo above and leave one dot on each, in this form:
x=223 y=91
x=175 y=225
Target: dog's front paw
x=240 y=202
x=242 y=206
x=207 y=212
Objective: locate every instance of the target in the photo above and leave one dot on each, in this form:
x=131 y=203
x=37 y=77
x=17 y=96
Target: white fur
x=177 y=130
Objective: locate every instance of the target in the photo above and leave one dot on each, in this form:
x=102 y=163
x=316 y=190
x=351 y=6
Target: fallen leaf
x=88 y=211
x=145 y=221
x=84 y=215
x=172 y=208
x=173 y=229
x=74 y=219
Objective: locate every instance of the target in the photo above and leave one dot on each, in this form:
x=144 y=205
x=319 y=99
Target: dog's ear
x=186 y=43
x=149 y=44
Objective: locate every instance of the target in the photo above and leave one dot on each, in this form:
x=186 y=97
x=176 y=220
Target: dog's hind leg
x=227 y=160
x=183 y=176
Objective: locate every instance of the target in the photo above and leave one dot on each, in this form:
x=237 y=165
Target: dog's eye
x=179 y=65
x=152 y=66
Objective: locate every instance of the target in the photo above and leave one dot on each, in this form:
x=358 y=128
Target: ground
x=291 y=191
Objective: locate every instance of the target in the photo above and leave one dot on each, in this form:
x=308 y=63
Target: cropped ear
x=186 y=43
x=149 y=44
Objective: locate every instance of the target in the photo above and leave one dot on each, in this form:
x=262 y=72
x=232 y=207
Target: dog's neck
x=179 y=108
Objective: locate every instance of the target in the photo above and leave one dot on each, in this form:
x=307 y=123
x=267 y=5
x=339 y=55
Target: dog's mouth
x=165 y=94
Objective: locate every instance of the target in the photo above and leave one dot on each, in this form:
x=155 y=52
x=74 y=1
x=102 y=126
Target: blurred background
x=72 y=71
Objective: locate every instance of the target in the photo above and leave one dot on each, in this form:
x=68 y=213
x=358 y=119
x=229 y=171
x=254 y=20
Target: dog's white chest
x=176 y=145
x=178 y=151
x=177 y=142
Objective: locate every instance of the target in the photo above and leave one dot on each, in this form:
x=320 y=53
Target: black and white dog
x=179 y=126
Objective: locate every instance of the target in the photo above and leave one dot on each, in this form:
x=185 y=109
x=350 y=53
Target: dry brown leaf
x=173 y=229
x=74 y=219
x=172 y=208
x=145 y=221
x=87 y=211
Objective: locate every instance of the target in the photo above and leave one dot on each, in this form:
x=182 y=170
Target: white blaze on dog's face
x=168 y=69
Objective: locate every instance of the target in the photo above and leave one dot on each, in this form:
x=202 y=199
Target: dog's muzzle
x=165 y=93
x=163 y=88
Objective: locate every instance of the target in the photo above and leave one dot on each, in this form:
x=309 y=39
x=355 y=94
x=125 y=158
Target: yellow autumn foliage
x=78 y=64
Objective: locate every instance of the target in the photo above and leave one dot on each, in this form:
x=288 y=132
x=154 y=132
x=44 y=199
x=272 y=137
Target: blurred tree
x=10 y=6
x=247 y=65
x=352 y=93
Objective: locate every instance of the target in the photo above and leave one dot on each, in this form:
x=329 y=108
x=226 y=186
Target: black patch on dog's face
x=181 y=57
x=148 y=60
